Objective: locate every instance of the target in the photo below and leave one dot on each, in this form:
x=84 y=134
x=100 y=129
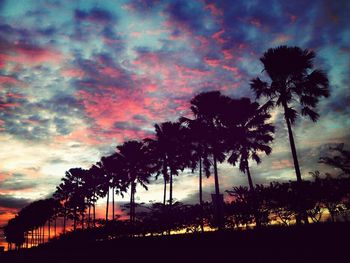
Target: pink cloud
x=111 y=72
x=31 y=55
x=14 y=95
x=8 y=80
x=214 y=9
x=218 y=36
x=227 y=54
x=230 y=68
x=72 y=73
x=120 y=105
x=9 y=105
x=212 y=62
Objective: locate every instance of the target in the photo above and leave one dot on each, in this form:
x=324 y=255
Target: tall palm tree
x=135 y=168
x=106 y=183
x=248 y=133
x=112 y=167
x=294 y=84
x=169 y=151
x=208 y=107
x=196 y=142
x=94 y=188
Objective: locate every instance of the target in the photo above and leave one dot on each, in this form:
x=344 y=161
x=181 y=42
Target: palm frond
x=313 y=115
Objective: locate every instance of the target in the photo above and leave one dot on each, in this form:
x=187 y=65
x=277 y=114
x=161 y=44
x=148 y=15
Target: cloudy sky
x=78 y=78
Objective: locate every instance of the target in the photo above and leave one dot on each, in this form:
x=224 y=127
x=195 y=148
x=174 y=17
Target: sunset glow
x=78 y=78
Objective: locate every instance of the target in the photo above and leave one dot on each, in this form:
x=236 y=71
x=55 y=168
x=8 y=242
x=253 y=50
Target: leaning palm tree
x=294 y=84
x=248 y=134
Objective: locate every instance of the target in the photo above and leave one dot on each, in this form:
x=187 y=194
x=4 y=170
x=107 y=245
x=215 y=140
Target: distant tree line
x=222 y=128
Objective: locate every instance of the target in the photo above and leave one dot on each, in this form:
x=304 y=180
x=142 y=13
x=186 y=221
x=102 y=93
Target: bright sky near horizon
x=77 y=78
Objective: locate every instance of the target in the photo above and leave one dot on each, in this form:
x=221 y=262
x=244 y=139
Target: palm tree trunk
x=250 y=181
x=75 y=219
x=107 y=205
x=218 y=198
x=255 y=199
x=216 y=177
x=164 y=192
x=89 y=213
x=293 y=149
x=171 y=189
x=26 y=238
x=201 y=193
x=49 y=233
x=113 y=203
x=94 y=214
x=302 y=214
x=43 y=234
x=94 y=210
x=83 y=219
x=131 y=203
x=64 y=219
x=55 y=226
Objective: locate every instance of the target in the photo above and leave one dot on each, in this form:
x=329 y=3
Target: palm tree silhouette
x=94 y=188
x=135 y=168
x=111 y=166
x=208 y=107
x=196 y=141
x=247 y=133
x=62 y=193
x=294 y=84
x=169 y=151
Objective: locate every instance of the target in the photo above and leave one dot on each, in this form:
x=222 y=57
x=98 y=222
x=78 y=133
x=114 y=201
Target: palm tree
x=94 y=188
x=111 y=166
x=62 y=194
x=167 y=148
x=208 y=107
x=196 y=142
x=294 y=84
x=248 y=134
x=106 y=184
x=135 y=168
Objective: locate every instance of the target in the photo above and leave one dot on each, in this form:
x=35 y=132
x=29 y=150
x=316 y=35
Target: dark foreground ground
x=313 y=243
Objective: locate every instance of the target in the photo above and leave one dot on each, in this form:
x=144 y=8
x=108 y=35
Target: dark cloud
x=182 y=12
x=143 y=6
x=8 y=201
x=13 y=184
x=94 y=15
x=120 y=125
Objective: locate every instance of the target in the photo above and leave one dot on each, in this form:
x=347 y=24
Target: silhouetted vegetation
x=221 y=128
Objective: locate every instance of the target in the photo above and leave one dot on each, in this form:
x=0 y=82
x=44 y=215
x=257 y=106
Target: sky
x=77 y=78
